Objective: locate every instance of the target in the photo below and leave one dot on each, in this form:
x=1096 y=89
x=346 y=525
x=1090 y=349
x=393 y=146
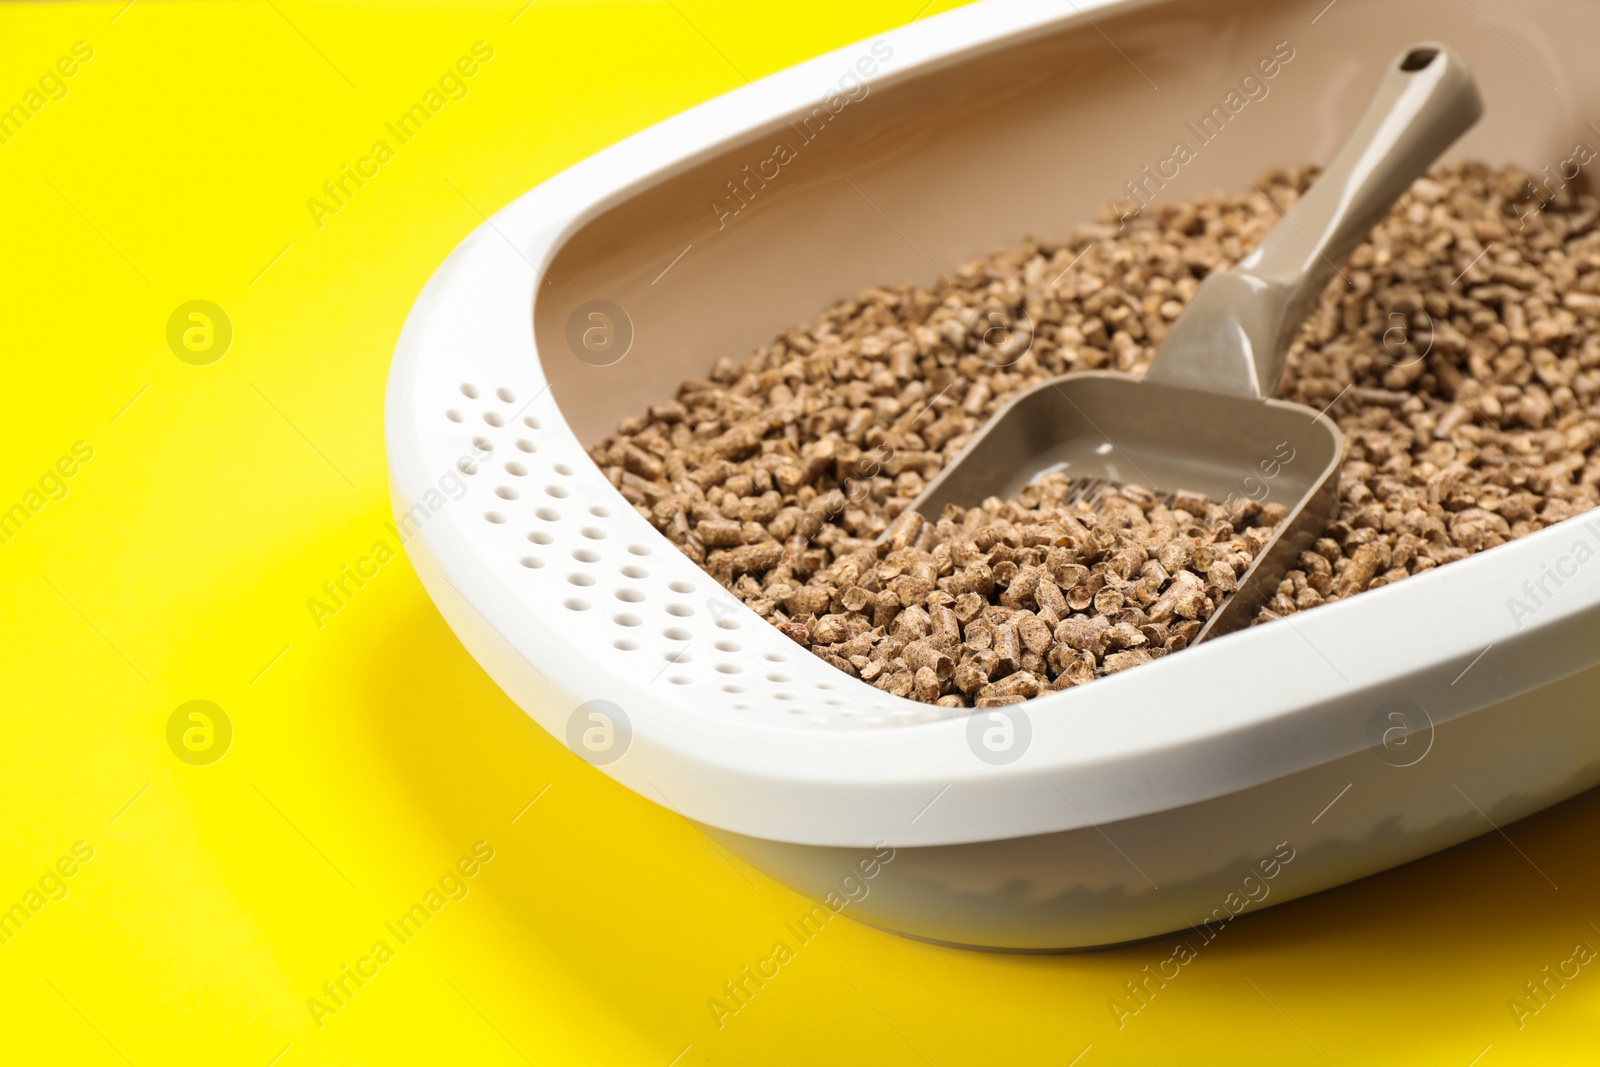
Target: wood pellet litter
x=1458 y=351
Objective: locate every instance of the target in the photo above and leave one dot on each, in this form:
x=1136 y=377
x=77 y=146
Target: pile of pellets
x=1458 y=350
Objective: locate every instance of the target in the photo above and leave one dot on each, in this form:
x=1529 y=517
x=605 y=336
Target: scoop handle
x=1235 y=334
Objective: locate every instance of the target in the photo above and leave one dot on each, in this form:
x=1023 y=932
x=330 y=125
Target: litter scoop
x=1203 y=417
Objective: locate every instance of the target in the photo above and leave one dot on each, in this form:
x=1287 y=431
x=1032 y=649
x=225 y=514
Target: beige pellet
x=1121 y=661
x=973 y=672
x=719 y=533
x=946 y=627
x=1022 y=684
x=1008 y=646
x=924 y=655
x=1035 y=634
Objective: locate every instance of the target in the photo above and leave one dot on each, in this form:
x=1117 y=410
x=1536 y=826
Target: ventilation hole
x=728 y=668
x=482 y=444
x=494 y=516
x=678 y=679
x=634 y=571
x=626 y=620
x=632 y=596
x=682 y=611
x=733 y=689
x=548 y=514
x=453 y=415
x=531 y=423
x=586 y=555
x=677 y=655
x=639 y=550
x=594 y=533
x=742 y=707
x=599 y=512
x=833 y=701
x=466 y=466
x=727 y=623
x=505 y=492
x=824 y=685
x=533 y=563
x=516 y=470
x=493 y=419
x=624 y=644
x=526 y=445
x=555 y=491
x=727 y=646
x=777 y=677
x=469 y=391
x=506 y=395
x=774 y=657
x=680 y=587
x=675 y=633
x=580 y=578
x=562 y=468
x=539 y=537
x=576 y=604
x=797 y=711
x=783 y=696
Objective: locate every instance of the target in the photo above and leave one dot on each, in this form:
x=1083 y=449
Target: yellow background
x=370 y=753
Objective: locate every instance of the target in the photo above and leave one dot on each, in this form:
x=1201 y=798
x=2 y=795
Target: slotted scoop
x=1203 y=417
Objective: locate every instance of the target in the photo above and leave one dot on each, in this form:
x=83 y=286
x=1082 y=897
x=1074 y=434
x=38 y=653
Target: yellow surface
x=370 y=754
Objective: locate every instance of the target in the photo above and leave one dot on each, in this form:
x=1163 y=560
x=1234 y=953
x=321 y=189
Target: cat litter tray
x=1244 y=772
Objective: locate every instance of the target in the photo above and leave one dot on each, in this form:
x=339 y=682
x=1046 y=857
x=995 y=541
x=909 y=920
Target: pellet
x=1124 y=635
x=1121 y=661
x=912 y=624
x=973 y=672
x=797 y=632
x=719 y=533
x=827 y=630
x=946 y=627
x=1081 y=595
x=1084 y=633
x=925 y=655
x=642 y=463
x=1108 y=601
x=1050 y=598
x=979 y=635
x=1035 y=635
x=1008 y=646
x=1364 y=564
x=1020 y=587
x=839 y=662
x=1022 y=683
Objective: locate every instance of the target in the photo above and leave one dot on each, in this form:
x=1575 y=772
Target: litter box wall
x=1191 y=871
x=1027 y=137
